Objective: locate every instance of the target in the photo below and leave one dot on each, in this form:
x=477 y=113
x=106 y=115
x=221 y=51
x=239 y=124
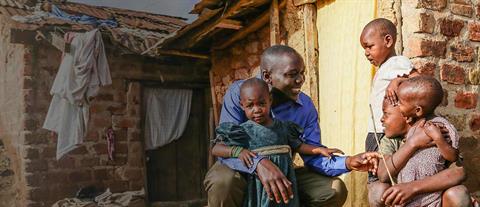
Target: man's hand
x=367 y=161
x=398 y=194
x=274 y=181
x=327 y=152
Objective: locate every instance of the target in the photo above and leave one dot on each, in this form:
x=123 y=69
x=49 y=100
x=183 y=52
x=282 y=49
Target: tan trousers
x=225 y=188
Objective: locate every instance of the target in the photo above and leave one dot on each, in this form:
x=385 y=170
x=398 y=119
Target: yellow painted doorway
x=344 y=83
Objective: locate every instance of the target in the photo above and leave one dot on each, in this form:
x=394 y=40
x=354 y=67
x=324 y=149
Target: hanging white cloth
x=79 y=78
x=166 y=115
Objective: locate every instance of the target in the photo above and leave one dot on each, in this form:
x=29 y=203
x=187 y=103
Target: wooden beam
x=216 y=108
x=274 y=23
x=182 y=53
x=209 y=26
x=229 y=24
x=311 y=49
x=246 y=30
x=302 y=2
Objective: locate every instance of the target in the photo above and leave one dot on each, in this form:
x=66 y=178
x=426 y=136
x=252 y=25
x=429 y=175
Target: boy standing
x=378 y=40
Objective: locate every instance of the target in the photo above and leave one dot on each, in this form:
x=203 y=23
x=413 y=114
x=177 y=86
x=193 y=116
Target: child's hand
x=327 y=152
x=246 y=156
x=433 y=131
x=391 y=91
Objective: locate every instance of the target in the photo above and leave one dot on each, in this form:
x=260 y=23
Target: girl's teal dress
x=251 y=135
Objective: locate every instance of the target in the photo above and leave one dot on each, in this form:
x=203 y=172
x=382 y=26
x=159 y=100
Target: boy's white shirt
x=389 y=70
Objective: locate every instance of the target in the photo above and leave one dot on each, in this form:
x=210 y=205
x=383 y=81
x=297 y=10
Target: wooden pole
x=274 y=23
x=214 y=99
x=311 y=50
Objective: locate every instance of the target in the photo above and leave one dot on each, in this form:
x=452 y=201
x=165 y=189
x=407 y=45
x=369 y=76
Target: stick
x=378 y=144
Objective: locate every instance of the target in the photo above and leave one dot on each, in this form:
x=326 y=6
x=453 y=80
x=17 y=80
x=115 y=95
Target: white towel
x=79 y=77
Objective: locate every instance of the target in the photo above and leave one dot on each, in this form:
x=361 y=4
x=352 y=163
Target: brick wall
x=40 y=179
x=442 y=39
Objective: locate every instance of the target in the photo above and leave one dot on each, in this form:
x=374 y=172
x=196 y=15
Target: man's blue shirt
x=301 y=112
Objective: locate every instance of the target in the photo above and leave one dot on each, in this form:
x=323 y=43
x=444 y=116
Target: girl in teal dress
x=264 y=136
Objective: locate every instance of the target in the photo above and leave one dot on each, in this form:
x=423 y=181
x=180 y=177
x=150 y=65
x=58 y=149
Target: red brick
x=89 y=162
x=437 y=5
x=136 y=185
x=134 y=135
x=49 y=152
x=104 y=97
x=80 y=175
x=36 y=165
x=32 y=154
x=466 y=100
x=425 y=68
x=36 y=138
x=462 y=53
x=124 y=123
x=66 y=162
x=100 y=148
x=451 y=27
x=120 y=135
x=452 y=74
x=92 y=135
x=134 y=174
x=475 y=122
x=80 y=150
x=119 y=109
x=27 y=82
x=102 y=121
x=424 y=47
x=57 y=177
x=474 y=31
x=36 y=179
x=426 y=23
x=101 y=174
x=121 y=147
x=462 y=9
x=117 y=186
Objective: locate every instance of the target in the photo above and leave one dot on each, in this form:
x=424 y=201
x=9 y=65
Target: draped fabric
x=82 y=71
x=167 y=112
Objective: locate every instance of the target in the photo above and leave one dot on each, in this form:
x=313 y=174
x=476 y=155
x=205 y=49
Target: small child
x=378 y=40
x=264 y=136
x=418 y=97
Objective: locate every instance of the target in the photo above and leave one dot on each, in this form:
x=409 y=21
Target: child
x=378 y=40
x=418 y=97
x=266 y=136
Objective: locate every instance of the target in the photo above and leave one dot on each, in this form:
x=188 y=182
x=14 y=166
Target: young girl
x=262 y=135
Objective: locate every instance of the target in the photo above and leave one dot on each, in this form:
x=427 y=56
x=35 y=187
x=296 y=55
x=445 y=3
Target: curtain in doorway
x=166 y=115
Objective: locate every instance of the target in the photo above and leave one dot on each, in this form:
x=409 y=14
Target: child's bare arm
x=314 y=150
x=447 y=151
x=221 y=150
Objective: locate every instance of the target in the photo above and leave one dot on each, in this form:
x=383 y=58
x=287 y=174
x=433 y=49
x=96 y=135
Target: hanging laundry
x=166 y=115
x=79 y=78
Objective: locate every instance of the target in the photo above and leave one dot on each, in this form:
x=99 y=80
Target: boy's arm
x=446 y=150
x=398 y=160
x=307 y=149
x=439 y=182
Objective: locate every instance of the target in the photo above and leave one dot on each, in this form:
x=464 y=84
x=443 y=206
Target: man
x=283 y=69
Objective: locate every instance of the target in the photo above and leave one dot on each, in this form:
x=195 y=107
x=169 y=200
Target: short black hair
x=384 y=26
x=427 y=92
x=255 y=82
x=270 y=56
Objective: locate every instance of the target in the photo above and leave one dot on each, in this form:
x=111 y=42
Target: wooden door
x=175 y=172
x=344 y=83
